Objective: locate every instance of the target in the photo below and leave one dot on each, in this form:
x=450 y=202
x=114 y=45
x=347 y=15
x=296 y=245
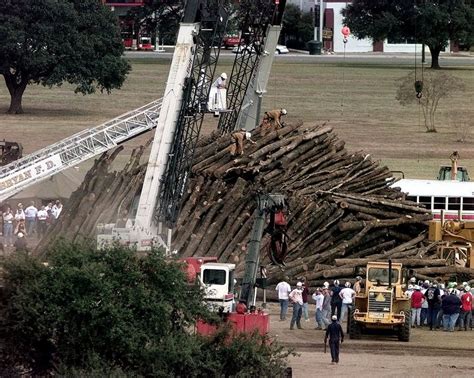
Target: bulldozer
x=383 y=304
x=456 y=240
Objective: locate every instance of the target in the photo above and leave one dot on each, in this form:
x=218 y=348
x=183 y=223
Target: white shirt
x=346 y=295
x=8 y=217
x=56 y=210
x=408 y=293
x=283 y=289
x=19 y=215
x=31 y=211
x=424 y=304
x=297 y=296
x=319 y=299
x=42 y=215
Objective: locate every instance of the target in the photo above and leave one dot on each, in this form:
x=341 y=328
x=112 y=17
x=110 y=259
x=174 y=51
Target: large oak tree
x=49 y=42
x=434 y=22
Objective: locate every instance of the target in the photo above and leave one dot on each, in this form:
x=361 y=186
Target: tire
x=353 y=327
x=404 y=331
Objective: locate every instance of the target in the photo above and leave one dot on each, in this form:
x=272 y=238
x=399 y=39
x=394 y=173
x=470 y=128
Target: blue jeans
x=424 y=315
x=449 y=321
x=296 y=318
x=346 y=307
x=465 y=319
x=8 y=233
x=283 y=308
x=433 y=316
x=305 y=311
x=321 y=322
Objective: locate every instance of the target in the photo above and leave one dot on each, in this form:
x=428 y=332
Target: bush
x=112 y=313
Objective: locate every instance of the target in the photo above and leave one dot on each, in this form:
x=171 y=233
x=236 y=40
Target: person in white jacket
x=318 y=297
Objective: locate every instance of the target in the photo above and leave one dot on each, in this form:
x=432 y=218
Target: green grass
x=357 y=100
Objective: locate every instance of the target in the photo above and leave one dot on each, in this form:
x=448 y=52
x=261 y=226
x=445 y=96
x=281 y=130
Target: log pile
x=342 y=211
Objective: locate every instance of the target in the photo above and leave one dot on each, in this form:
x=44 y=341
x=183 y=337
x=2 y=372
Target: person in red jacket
x=417 y=299
x=466 y=309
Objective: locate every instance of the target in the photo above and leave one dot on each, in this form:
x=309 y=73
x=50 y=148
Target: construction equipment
x=456 y=240
x=246 y=317
x=383 y=305
x=9 y=151
x=192 y=69
x=453 y=171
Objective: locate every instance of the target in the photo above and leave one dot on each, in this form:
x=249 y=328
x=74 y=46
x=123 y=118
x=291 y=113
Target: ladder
x=76 y=149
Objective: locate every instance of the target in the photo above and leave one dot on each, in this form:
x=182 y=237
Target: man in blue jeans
x=432 y=295
x=451 y=305
x=296 y=297
x=283 y=289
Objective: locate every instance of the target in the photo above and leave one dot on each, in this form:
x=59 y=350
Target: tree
x=433 y=22
x=297 y=27
x=99 y=313
x=436 y=85
x=49 y=42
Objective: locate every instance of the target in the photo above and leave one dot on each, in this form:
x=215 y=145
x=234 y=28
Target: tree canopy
x=49 y=42
x=99 y=313
x=433 y=22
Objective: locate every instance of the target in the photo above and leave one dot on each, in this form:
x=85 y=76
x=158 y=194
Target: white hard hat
x=334 y=317
x=326 y=284
x=248 y=135
x=464 y=284
x=283 y=111
x=336 y=282
x=348 y=284
x=359 y=278
x=224 y=75
x=427 y=282
x=417 y=287
x=299 y=284
x=20 y=234
x=413 y=279
x=410 y=287
x=467 y=288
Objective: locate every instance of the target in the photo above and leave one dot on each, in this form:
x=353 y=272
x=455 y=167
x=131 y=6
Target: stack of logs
x=342 y=211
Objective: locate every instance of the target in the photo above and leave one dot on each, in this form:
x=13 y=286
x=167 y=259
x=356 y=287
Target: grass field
x=357 y=100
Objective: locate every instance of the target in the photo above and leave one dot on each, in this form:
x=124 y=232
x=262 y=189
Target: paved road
x=457 y=60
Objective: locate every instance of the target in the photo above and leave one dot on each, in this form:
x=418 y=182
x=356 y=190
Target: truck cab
x=445 y=173
x=217 y=279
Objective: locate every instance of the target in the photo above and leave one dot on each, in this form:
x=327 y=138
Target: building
x=334 y=40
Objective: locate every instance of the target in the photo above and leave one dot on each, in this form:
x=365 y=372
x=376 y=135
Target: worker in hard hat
x=272 y=120
x=221 y=81
x=238 y=138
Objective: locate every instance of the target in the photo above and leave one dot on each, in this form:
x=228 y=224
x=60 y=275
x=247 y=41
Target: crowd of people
x=433 y=305
x=21 y=224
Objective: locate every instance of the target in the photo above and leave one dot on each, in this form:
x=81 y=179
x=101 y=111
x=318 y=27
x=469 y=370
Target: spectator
x=20 y=243
x=466 y=309
x=451 y=305
x=326 y=311
x=432 y=295
x=336 y=301
x=321 y=322
x=56 y=210
x=409 y=291
x=305 y=295
x=42 y=221
x=347 y=296
x=283 y=289
x=417 y=299
x=31 y=213
x=19 y=214
x=296 y=298
x=424 y=306
x=20 y=227
x=8 y=227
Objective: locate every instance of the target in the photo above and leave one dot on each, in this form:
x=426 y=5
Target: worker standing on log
x=238 y=138
x=272 y=120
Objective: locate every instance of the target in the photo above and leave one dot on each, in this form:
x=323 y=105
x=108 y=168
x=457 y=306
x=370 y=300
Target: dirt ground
x=428 y=354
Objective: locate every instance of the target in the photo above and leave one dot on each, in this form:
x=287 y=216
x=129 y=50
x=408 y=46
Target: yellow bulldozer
x=456 y=240
x=383 y=304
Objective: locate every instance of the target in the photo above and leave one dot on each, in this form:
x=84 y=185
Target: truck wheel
x=404 y=331
x=354 y=328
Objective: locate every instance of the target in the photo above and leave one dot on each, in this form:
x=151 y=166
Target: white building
x=332 y=24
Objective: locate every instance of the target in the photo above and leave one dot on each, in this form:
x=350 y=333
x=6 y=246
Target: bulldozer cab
x=378 y=276
x=445 y=173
